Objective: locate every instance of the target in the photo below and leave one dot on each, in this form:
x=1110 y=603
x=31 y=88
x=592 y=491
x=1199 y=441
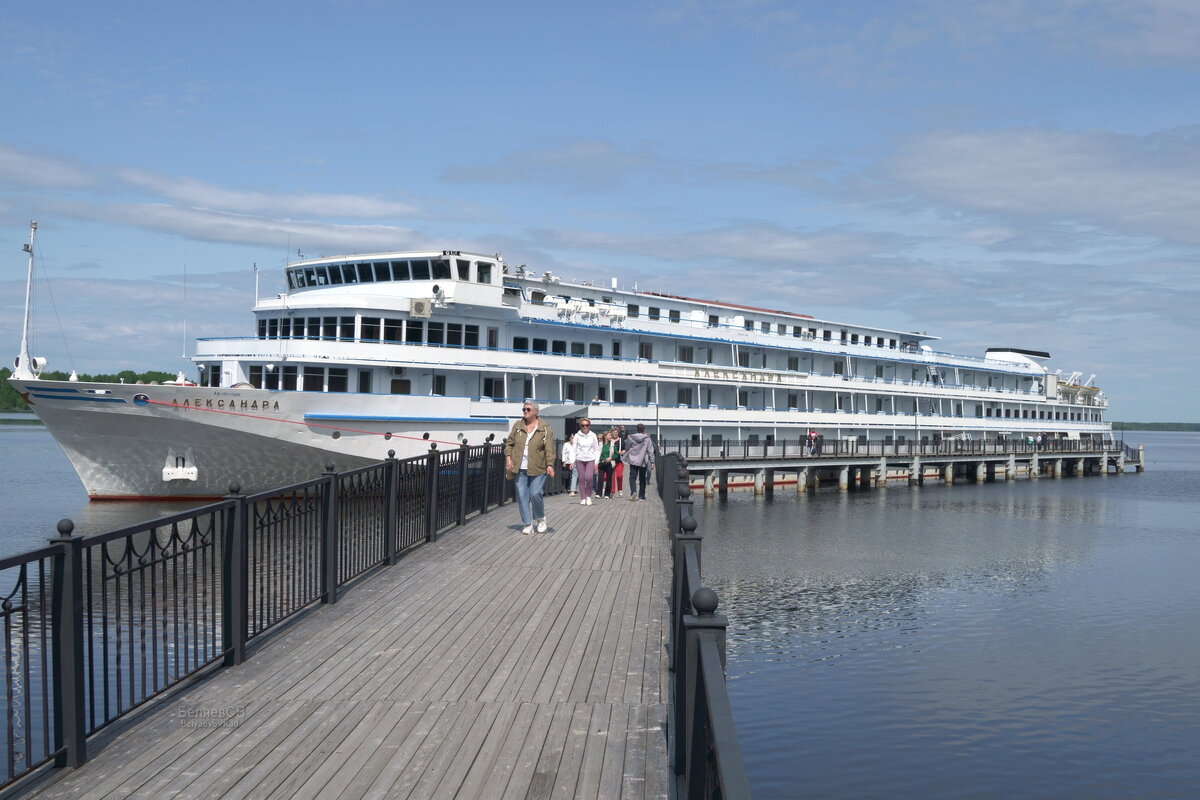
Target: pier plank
x=486 y=664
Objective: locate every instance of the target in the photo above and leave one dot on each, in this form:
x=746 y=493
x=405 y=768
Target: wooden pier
x=486 y=664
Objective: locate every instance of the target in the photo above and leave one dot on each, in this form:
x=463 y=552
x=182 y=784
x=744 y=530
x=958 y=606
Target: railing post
x=329 y=524
x=704 y=624
x=70 y=733
x=390 y=501
x=462 y=481
x=234 y=580
x=431 y=494
x=487 y=474
x=680 y=591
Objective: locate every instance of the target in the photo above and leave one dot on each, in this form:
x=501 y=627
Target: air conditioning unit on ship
x=420 y=307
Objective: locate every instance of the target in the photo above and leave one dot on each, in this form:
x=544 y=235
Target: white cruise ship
x=374 y=353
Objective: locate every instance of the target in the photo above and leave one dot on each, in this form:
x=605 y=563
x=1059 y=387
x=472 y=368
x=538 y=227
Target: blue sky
x=1011 y=173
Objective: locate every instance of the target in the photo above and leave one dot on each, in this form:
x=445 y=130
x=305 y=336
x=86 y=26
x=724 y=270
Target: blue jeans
x=530 y=490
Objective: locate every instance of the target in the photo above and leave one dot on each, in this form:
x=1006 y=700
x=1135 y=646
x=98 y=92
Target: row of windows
x=416 y=269
x=374 y=329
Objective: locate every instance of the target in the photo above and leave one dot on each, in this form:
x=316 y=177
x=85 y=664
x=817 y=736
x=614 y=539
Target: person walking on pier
x=529 y=456
x=640 y=456
x=568 y=461
x=587 y=450
x=610 y=456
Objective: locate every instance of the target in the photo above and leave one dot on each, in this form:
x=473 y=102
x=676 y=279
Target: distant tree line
x=1156 y=426
x=11 y=401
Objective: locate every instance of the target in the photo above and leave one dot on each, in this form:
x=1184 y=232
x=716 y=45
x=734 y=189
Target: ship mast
x=24 y=365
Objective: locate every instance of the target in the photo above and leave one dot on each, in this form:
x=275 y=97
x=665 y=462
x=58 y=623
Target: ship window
x=683 y=395
x=794 y=363
x=654 y=313
x=335 y=273
x=853 y=338
x=558 y=347
x=319 y=276
x=383 y=271
x=294 y=276
x=602 y=393
x=262 y=329
x=797 y=331
x=285 y=328
x=539 y=345
x=399 y=270
x=596 y=350
x=464 y=269
x=401 y=386
x=673 y=315
x=521 y=343
x=437 y=333
x=879 y=370
x=765 y=326
x=632 y=310
x=687 y=354
x=749 y=324
x=256 y=376
x=314 y=328
x=839 y=367
x=574 y=391
x=414 y=332
x=827 y=335
x=577 y=348
x=493 y=388
x=743 y=359
x=370 y=329
x=441 y=268
x=439 y=385
x=645 y=351
x=484 y=272
x=620 y=396
x=329 y=329
x=713 y=320
x=350 y=273
x=471 y=335
x=420 y=270
x=366 y=273
x=364 y=381
x=314 y=379
x=392 y=329
x=454 y=334
x=339 y=380
x=537 y=296
x=288 y=378
x=273 y=328
x=346 y=330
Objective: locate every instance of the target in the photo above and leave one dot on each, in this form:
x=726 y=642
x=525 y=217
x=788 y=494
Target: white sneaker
x=589 y=501
x=583 y=502
x=527 y=529
x=541 y=528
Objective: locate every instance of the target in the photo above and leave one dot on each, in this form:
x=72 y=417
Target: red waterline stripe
x=294 y=422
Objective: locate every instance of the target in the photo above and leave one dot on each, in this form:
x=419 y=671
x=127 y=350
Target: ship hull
x=133 y=442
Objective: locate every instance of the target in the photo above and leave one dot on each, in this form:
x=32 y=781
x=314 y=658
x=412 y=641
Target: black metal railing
x=97 y=626
x=843 y=448
x=705 y=753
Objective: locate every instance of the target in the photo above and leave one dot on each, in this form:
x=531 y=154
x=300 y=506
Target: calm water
x=1030 y=639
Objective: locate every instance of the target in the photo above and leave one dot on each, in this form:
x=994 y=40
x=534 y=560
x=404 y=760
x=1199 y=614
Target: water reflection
x=1024 y=639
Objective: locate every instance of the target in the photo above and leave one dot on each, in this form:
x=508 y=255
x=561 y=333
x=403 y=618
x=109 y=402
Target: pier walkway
x=486 y=664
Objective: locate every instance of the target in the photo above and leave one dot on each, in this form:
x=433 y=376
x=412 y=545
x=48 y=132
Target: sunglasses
x=527 y=408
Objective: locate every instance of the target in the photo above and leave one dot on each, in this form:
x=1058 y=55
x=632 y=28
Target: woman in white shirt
x=568 y=460
x=587 y=450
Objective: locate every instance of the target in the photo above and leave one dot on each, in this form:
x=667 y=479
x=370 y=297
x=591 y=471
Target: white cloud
x=1133 y=185
x=25 y=168
x=205 y=195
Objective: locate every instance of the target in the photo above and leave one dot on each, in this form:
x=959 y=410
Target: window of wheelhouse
x=483 y=272
x=420 y=269
x=441 y=268
x=383 y=271
x=366 y=273
x=335 y=273
x=464 y=269
x=400 y=272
